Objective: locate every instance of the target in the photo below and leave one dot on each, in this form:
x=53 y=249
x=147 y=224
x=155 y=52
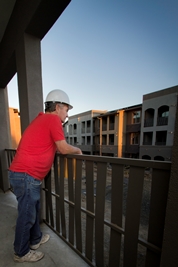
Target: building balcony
x=162 y=121
x=133 y=128
x=93 y=205
x=148 y=122
x=57 y=252
x=133 y=149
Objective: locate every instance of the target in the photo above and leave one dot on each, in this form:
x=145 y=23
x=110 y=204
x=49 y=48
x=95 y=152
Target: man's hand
x=64 y=148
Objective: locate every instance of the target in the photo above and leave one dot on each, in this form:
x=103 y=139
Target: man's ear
x=57 y=107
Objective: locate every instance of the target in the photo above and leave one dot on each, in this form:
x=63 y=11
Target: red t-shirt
x=36 y=150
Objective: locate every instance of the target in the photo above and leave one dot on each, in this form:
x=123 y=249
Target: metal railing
x=111 y=211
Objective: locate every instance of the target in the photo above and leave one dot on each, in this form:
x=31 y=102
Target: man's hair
x=51 y=106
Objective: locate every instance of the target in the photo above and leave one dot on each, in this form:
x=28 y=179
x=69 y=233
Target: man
x=33 y=160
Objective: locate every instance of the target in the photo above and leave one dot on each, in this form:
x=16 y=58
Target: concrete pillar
x=5 y=140
x=170 y=242
x=120 y=133
x=28 y=60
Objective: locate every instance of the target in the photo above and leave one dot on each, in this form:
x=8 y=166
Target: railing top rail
x=10 y=149
x=166 y=165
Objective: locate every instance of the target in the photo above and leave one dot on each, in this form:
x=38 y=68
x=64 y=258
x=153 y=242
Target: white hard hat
x=58 y=96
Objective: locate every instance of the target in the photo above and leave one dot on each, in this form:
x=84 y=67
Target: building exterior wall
x=15 y=128
x=165 y=98
x=132 y=131
x=80 y=130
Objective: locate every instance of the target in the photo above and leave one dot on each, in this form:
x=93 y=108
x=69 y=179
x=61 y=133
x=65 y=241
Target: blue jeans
x=27 y=191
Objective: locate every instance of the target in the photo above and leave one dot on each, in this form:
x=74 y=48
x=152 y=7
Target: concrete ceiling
x=6 y=7
x=17 y=17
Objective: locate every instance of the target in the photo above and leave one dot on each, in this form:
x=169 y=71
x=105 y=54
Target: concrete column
x=5 y=140
x=170 y=242
x=155 y=127
x=28 y=60
x=120 y=133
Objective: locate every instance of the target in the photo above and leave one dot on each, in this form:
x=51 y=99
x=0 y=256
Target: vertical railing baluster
x=116 y=213
x=133 y=208
x=78 y=224
x=71 y=199
x=61 y=197
x=49 y=207
x=99 y=213
x=57 y=191
x=158 y=202
x=90 y=208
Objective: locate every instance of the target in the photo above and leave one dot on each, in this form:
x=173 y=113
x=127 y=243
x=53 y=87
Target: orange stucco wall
x=14 y=127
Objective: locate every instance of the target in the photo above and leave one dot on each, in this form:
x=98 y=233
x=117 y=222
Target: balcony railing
x=111 y=211
x=132 y=128
x=162 y=121
x=132 y=149
x=148 y=122
x=160 y=143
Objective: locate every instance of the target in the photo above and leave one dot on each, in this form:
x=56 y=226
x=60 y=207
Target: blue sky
x=106 y=54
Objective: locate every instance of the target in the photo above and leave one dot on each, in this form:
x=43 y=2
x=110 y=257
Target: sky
x=107 y=54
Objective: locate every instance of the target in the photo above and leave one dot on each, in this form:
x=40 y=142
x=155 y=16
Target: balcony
x=160 y=143
x=148 y=122
x=134 y=149
x=57 y=252
x=133 y=128
x=108 y=210
x=162 y=121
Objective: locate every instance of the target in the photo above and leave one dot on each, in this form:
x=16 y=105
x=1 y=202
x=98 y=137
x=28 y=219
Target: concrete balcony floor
x=57 y=252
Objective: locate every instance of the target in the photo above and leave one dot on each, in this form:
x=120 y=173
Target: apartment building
x=132 y=131
x=117 y=133
x=141 y=131
x=79 y=130
x=158 y=123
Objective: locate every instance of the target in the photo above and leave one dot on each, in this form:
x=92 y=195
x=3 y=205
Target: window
x=111 y=139
x=83 y=127
x=111 y=122
x=70 y=129
x=149 y=117
x=161 y=137
x=88 y=126
x=147 y=138
x=75 y=129
x=163 y=114
x=134 y=139
x=136 y=116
